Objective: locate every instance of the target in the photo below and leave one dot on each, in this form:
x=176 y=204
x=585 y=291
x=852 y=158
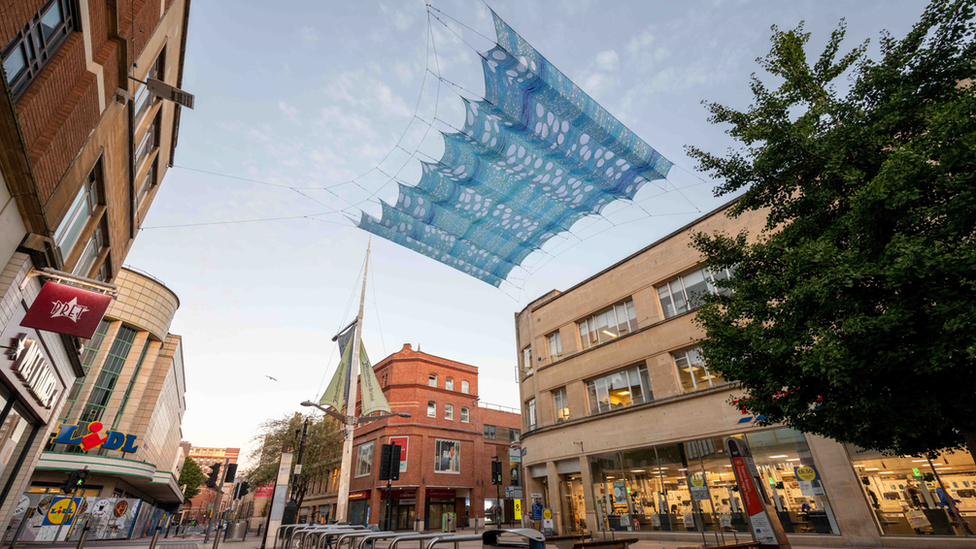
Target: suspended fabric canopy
x=534 y=157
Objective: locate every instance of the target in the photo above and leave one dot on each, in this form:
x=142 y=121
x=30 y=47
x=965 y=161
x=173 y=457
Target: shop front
x=912 y=495
x=690 y=487
x=404 y=508
x=359 y=507
x=438 y=502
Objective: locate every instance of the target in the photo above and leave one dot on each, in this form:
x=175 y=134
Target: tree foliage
x=853 y=314
x=322 y=454
x=191 y=477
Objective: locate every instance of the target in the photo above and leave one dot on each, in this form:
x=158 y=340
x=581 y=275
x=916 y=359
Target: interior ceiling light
x=609 y=334
x=533 y=158
x=777 y=457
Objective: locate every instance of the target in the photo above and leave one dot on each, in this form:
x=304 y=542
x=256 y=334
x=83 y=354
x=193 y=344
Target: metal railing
x=499 y=407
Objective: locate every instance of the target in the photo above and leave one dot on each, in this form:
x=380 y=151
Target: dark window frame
x=38 y=50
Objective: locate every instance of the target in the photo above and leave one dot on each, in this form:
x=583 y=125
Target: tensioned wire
x=431 y=48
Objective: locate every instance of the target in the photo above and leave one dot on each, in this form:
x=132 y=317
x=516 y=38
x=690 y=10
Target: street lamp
x=350 y=419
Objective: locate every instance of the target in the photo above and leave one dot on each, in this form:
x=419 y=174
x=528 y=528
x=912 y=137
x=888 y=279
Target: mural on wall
x=60 y=518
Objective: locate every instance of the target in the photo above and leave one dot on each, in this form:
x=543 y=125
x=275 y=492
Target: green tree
x=322 y=454
x=853 y=314
x=191 y=477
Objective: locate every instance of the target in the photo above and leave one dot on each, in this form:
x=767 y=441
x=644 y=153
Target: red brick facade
x=423 y=493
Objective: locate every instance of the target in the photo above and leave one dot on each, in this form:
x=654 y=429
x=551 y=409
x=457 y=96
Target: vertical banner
x=278 y=501
x=335 y=393
x=371 y=394
x=769 y=533
x=402 y=443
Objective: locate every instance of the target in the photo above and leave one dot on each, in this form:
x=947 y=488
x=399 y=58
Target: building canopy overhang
x=161 y=486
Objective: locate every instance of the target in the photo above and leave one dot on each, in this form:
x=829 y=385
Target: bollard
x=247 y=524
x=155 y=538
x=168 y=526
x=260 y=524
x=84 y=536
x=216 y=542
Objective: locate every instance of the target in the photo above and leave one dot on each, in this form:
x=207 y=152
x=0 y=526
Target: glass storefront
x=690 y=486
x=15 y=434
x=572 y=505
x=913 y=495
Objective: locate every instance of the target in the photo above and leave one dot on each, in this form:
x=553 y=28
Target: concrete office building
x=82 y=152
x=623 y=424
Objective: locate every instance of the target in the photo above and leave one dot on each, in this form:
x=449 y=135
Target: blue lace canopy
x=537 y=155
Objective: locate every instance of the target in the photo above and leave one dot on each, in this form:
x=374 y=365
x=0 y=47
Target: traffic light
x=76 y=480
x=241 y=489
x=390 y=462
x=496 y=472
x=214 y=475
x=231 y=472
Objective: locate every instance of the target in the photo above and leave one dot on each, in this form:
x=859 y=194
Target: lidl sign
x=113 y=440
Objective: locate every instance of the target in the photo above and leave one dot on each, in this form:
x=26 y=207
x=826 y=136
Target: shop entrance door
x=436 y=507
x=571 y=504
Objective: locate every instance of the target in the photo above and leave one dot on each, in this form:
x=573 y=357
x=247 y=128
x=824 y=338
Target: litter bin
x=449 y=522
x=522 y=538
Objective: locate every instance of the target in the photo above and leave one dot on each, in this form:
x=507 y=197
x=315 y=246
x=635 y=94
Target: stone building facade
x=624 y=425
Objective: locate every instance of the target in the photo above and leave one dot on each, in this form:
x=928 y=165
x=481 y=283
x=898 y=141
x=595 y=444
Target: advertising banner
x=809 y=480
x=60 y=518
x=264 y=491
x=402 y=443
x=68 y=310
x=767 y=532
x=696 y=484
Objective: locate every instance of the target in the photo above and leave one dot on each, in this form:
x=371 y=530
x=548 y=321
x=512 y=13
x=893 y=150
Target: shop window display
x=690 y=486
x=913 y=495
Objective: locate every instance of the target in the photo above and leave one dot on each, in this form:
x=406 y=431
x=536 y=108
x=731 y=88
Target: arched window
x=464 y=387
x=448 y=412
x=432 y=380
x=431 y=409
x=464 y=415
x=449 y=384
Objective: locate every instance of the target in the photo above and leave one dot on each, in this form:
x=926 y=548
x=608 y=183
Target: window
x=148 y=143
x=608 y=324
x=364 y=459
x=555 y=345
x=142 y=99
x=560 y=405
x=447 y=456
x=431 y=409
x=692 y=372
x=527 y=360
x=619 y=389
x=90 y=252
x=432 y=380
x=681 y=293
x=81 y=209
x=449 y=412
x=464 y=415
x=35 y=45
x=530 y=414
x=514 y=435
x=464 y=387
x=146 y=183
x=449 y=384
x=491 y=432
x=108 y=377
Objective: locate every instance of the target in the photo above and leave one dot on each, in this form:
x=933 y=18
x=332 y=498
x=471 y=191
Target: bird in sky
x=271 y=378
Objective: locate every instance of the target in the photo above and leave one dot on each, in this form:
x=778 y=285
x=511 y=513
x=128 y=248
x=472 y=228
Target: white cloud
x=309 y=36
x=290 y=112
x=403 y=21
x=403 y=72
x=347 y=122
x=638 y=43
x=359 y=89
x=661 y=53
x=607 y=60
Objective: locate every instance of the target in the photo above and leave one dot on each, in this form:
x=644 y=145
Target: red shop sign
x=400 y=494
x=439 y=493
x=364 y=494
x=68 y=310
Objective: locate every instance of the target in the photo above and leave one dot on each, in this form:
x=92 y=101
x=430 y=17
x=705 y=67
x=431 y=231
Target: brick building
x=447 y=445
x=204 y=457
x=83 y=149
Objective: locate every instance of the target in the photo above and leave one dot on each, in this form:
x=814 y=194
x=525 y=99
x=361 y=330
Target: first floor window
x=432 y=380
x=514 y=435
x=683 y=293
x=448 y=411
x=560 y=405
x=447 y=456
x=81 y=209
x=527 y=360
x=619 y=389
x=530 y=414
x=90 y=252
x=464 y=387
x=464 y=415
x=555 y=346
x=449 y=384
x=608 y=324
x=431 y=409
x=364 y=459
x=491 y=432
x=692 y=372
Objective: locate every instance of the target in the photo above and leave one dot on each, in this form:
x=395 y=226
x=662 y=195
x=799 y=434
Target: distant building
x=203 y=502
x=447 y=444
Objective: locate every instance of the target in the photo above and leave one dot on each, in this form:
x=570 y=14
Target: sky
x=293 y=97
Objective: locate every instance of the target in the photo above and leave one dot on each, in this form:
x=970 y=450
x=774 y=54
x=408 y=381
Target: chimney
x=406 y=347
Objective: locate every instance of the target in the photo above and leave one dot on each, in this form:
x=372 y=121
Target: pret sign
x=67 y=310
